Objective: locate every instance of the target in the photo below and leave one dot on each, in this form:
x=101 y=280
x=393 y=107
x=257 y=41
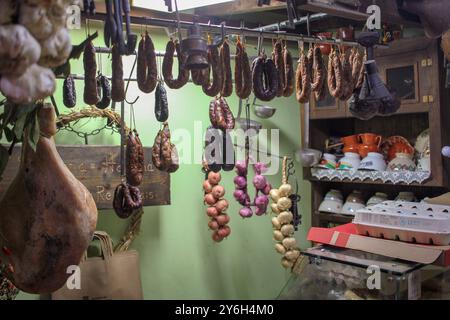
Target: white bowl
x=350 y=208
x=330 y=206
x=373 y=162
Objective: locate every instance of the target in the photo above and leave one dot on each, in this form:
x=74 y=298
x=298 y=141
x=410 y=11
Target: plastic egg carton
x=405 y=221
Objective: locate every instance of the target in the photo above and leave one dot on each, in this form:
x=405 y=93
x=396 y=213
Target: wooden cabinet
x=409 y=66
x=412 y=71
x=414 y=68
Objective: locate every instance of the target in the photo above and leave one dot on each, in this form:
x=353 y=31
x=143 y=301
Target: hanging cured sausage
x=213 y=88
x=288 y=83
x=303 y=80
x=164 y=153
x=318 y=75
x=134 y=159
x=90 y=75
x=264 y=78
x=335 y=83
x=242 y=72
x=183 y=73
x=227 y=86
x=146 y=65
x=118 y=84
x=277 y=56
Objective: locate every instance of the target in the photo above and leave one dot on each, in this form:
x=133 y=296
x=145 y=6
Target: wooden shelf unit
x=426 y=106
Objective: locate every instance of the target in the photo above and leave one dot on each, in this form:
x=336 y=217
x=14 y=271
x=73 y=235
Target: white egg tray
x=405 y=221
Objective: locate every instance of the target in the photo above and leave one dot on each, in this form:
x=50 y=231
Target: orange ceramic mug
x=370 y=142
x=370 y=139
x=350 y=143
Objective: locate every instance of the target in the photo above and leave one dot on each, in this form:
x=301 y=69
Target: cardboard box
x=345 y=236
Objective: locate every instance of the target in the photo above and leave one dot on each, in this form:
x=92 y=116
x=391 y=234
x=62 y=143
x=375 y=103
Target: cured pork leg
x=47 y=216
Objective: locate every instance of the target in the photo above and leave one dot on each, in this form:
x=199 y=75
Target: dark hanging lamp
x=374 y=97
x=195 y=47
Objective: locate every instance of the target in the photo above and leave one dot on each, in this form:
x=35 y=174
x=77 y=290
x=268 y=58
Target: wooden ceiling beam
x=237 y=7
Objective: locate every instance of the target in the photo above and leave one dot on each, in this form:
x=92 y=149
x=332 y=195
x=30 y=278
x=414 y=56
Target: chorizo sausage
x=146 y=65
x=302 y=78
x=69 y=92
x=264 y=78
x=347 y=80
x=227 y=86
x=242 y=72
x=334 y=75
x=288 y=87
x=127 y=199
x=134 y=159
x=277 y=56
x=104 y=90
x=118 y=85
x=213 y=88
x=90 y=75
x=183 y=73
x=362 y=72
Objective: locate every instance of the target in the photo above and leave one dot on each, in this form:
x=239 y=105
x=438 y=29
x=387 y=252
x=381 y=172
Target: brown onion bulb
x=213 y=225
x=209 y=199
x=222 y=205
x=214 y=177
x=212 y=212
x=224 y=231
x=218 y=191
x=207 y=187
x=216 y=237
x=223 y=219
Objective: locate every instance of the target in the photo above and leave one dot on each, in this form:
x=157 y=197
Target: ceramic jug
x=369 y=143
x=351 y=143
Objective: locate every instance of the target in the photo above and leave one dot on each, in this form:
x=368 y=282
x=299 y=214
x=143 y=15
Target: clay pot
x=370 y=143
x=325 y=48
x=398 y=147
x=350 y=144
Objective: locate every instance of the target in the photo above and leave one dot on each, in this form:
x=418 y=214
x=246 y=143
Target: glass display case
x=331 y=273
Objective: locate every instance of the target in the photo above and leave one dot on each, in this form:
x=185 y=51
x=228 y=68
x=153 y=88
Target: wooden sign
x=98 y=168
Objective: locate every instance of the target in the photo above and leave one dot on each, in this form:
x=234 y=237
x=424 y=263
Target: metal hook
x=128 y=83
x=260 y=41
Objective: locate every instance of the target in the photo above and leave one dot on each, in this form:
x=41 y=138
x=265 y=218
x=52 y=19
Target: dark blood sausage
x=242 y=72
x=334 y=75
x=134 y=159
x=104 y=89
x=303 y=80
x=183 y=73
x=90 y=75
x=127 y=199
x=161 y=103
x=265 y=79
x=146 y=65
x=227 y=86
x=288 y=87
x=118 y=85
x=213 y=88
x=69 y=92
x=277 y=56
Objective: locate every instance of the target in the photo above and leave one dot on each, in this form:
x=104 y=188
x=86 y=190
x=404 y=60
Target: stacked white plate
x=405 y=221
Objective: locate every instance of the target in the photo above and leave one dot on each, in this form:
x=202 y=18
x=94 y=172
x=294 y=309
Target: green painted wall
x=178 y=258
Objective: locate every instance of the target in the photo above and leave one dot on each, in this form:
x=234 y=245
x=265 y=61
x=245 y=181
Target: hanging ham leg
x=47 y=216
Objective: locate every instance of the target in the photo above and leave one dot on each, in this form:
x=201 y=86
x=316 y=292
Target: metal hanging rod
x=228 y=30
x=162 y=53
